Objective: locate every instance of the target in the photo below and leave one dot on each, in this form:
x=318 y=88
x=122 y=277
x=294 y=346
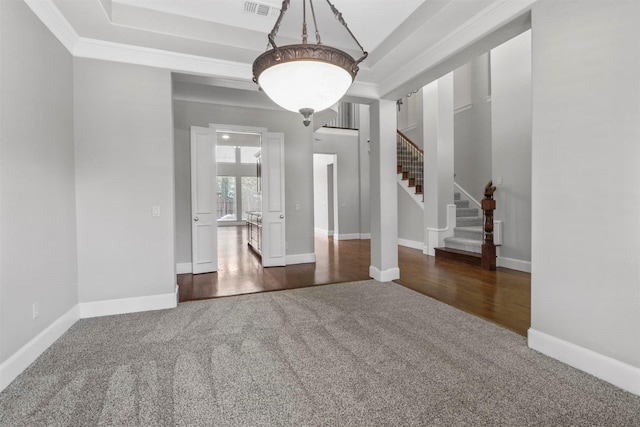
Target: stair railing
x=488 y=261
x=410 y=162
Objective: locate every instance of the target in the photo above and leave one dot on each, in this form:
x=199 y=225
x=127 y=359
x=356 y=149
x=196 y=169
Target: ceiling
x=214 y=42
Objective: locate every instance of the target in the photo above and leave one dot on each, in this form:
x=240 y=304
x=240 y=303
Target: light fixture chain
x=339 y=17
x=276 y=27
x=315 y=23
x=304 y=22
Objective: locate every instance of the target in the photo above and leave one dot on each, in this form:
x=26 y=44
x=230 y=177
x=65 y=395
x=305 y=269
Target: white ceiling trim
x=493 y=17
x=53 y=19
x=117 y=52
x=407 y=76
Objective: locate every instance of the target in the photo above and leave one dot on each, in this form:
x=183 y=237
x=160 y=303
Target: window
x=225 y=154
x=248 y=154
x=227 y=198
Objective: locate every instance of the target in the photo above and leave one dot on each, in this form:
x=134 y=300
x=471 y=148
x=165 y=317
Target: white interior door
x=204 y=226
x=273 y=218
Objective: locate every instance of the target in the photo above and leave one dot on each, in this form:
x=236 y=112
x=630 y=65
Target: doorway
x=225 y=161
x=325 y=194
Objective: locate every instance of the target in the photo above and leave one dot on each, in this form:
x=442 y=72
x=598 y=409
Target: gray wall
x=182 y=158
x=124 y=166
x=298 y=167
x=323 y=206
x=345 y=145
x=38 y=260
x=586 y=169
x=511 y=111
x=410 y=218
x=472 y=126
x=410 y=117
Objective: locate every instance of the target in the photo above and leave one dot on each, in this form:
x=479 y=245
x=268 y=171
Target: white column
x=383 y=195
x=364 y=137
x=439 y=209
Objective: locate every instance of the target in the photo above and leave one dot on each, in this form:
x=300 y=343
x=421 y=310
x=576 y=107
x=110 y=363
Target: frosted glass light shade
x=305 y=84
x=309 y=77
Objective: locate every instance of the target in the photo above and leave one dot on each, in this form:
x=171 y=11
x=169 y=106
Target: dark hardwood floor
x=501 y=296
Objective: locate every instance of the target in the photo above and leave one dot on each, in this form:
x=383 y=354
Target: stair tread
x=463 y=243
x=466 y=212
x=460 y=240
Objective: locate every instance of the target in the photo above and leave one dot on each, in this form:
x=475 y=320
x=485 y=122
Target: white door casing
x=204 y=227
x=273 y=207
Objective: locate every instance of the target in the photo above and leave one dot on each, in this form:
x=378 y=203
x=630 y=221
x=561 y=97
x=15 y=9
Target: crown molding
x=493 y=17
x=53 y=19
x=173 y=61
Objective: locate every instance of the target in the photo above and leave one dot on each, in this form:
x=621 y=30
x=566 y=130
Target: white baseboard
x=410 y=244
x=300 y=259
x=352 y=236
x=384 y=276
x=365 y=236
x=183 y=268
x=28 y=353
x=128 y=305
x=620 y=374
x=514 y=264
x=323 y=231
x=436 y=236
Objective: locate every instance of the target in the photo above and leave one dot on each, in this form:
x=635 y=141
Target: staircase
x=410 y=162
x=466 y=243
x=471 y=236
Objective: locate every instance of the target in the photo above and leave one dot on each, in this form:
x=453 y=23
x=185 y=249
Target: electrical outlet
x=36 y=309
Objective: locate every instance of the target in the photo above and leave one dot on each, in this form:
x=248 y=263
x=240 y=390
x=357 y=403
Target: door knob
x=196 y=219
x=281 y=216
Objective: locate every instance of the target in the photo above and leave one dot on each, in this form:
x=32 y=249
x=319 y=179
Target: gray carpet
x=363 y=353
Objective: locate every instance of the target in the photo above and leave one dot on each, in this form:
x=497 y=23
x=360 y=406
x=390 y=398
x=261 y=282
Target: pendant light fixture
x=306 y=77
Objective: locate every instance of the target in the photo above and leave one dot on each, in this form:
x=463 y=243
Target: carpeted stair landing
x=360 y=354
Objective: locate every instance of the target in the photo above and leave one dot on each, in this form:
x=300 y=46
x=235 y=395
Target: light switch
x=155 y=211
x=499 y=180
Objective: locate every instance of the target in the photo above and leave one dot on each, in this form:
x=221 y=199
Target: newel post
x=488 y=247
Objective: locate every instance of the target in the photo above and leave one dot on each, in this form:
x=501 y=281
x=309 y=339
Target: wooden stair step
x=466 y=257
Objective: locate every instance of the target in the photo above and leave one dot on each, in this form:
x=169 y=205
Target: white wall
x=344 y=144
x=472 y=126
x=38 y=260
x=586 y=170
x=298 y=167
x=124 y=166
x=511 y=153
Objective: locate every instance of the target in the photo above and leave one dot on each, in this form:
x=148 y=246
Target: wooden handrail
x=410 y=142
x=410 y=162
x=488 y=247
